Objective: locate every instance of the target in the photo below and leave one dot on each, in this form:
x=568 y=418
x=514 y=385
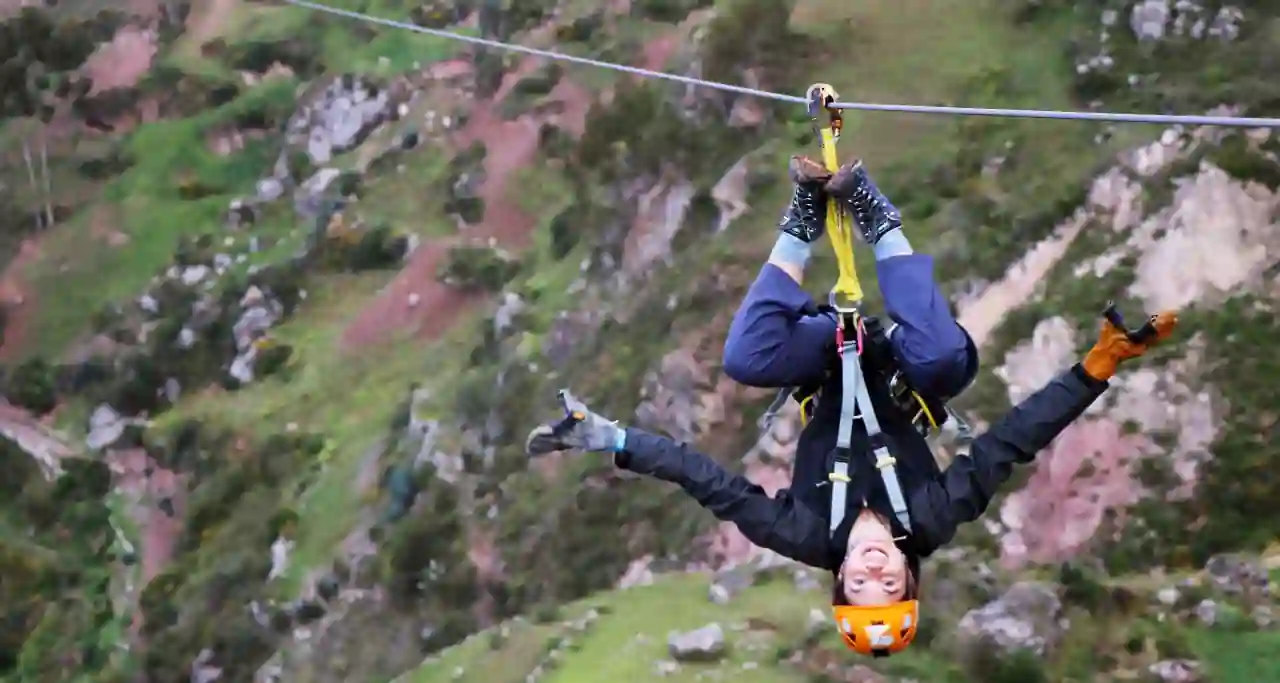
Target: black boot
x=806 y=216
x=874 y=213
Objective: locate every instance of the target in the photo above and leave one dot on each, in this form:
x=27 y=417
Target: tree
x=38 y=62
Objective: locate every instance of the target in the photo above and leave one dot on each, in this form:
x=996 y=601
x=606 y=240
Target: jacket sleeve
x=775 y=340
x=961 y=493
x=781 y=524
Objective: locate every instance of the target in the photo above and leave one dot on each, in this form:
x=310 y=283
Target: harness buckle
x=843 y=309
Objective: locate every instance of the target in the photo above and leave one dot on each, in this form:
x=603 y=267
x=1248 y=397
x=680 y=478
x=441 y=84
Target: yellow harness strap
x=848 y=290
x=846 y=297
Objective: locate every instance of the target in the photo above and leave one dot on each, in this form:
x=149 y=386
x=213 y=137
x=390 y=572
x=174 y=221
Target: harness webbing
x=846 y=298
x=854 y=396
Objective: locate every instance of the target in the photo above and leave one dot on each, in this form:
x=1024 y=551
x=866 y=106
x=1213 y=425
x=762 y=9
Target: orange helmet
x=879 y=631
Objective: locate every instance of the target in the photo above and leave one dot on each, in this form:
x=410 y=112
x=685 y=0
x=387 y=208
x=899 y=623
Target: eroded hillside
x=285 y=292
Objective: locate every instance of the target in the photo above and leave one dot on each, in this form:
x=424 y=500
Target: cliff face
x=285 y=292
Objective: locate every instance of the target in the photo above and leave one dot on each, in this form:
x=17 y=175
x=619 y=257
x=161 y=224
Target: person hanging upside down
x=874 y=552
x=875 y=561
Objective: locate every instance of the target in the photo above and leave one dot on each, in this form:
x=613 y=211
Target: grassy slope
x=610 y=650
x=908 y=51
x=629 y=639
x=918 y=51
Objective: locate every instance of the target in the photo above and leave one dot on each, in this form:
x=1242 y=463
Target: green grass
x=344 y=45
x=1239 y=658
x=412 y=199
x=629 y=638
x=79 y=274
x=610 y=650
x=349 y=397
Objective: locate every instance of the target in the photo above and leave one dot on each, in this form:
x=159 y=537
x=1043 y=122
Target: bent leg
x=934 y=352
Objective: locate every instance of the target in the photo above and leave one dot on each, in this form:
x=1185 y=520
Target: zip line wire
x=1113 y=117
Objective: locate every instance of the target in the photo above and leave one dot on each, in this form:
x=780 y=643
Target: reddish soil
x=658 y=51
x=511 y=145
x=122 y=62
x=158 y=532
x=18 y=299
x=207 y=18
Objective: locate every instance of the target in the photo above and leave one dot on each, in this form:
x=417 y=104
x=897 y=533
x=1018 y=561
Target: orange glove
x=1114 y=346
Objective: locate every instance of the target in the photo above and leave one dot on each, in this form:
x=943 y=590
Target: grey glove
x=579 y=428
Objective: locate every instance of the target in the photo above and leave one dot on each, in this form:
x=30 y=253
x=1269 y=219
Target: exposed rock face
x=340 y=117
x=1213 y=236
x=1027 y=617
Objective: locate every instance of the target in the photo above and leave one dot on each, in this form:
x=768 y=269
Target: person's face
x=874 y=570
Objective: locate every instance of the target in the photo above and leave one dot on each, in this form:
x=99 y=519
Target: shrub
x=377 y=248
x=272 y=359
x=1236 y=157
x=301 y=55
x=31 y=386
x=582 y=29
x=1020 y=666
x=478 y=268
x=426 y=550
x=754 y=33
x=666 y=11
x=489 y=71
x=1082 y=587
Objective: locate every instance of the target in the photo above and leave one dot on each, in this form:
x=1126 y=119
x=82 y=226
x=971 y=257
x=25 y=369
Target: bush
x=565 y=232
x=427 y=551
x=31 y=386
x=377 y=248
x=462 y=168
x=478 y=268
x=489 y=70
x=582 y=29
x=666 y=11
x=642 y=130
x=272 y=359
x=554 y=142
x=1236 y=157
x=108 y=166
x=437 y=14
x=301 y=55
x=754 y=33
x=284 y=282
x=1082 y=587
x=1019 y=666
x=541 y=82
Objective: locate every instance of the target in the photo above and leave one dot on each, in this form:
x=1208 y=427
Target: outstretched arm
x=962 y=493
x=781 y=523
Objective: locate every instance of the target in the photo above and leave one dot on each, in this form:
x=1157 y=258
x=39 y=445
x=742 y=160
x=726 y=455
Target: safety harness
x=845 y=302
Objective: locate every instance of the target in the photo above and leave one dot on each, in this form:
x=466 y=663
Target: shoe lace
x=864 y=202
x=806 y=204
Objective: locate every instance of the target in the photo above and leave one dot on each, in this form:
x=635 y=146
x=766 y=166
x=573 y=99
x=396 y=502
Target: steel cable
x=1112 y=117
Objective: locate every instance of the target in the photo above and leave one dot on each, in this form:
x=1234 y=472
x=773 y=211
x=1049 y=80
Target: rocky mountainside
x=284 y=292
